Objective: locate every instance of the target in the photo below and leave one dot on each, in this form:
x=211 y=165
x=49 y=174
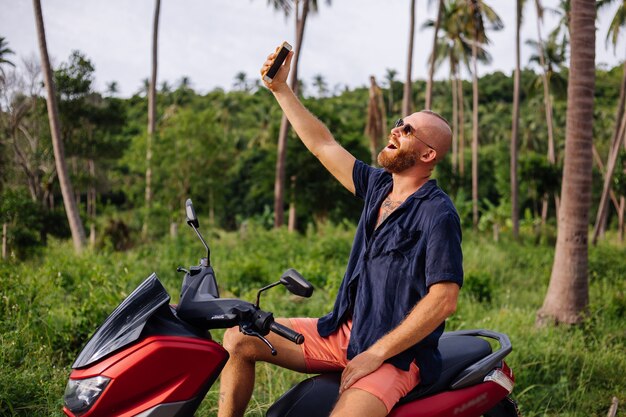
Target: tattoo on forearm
x=222 y=397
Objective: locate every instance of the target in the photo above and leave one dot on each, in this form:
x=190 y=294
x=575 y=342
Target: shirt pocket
x=403 y=243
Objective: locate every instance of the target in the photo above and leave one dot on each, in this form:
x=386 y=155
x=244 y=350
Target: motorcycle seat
x=457 y=353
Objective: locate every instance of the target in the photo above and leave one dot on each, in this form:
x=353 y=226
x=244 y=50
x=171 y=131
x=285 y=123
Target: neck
x=406 y=183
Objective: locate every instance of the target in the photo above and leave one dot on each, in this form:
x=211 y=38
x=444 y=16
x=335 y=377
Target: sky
x=210 y=41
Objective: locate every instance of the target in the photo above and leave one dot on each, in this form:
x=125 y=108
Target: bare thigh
x=358 y=403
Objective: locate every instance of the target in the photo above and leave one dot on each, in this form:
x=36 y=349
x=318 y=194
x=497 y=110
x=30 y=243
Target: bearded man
x=402 y=280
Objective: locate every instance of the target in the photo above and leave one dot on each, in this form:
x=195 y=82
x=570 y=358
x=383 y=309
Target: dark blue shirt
x=391 y=267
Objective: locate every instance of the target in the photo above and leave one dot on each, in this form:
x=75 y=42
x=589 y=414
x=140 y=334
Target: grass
x=50 y=304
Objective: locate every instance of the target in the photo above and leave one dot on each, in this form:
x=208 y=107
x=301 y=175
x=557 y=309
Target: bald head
x=433 y=129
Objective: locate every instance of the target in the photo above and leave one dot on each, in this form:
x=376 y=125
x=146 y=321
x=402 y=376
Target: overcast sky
x=210 y=41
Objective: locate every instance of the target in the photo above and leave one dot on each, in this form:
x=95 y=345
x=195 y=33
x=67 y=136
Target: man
x=402 y=279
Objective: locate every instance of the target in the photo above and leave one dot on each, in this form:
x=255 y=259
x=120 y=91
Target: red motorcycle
x=153 y=359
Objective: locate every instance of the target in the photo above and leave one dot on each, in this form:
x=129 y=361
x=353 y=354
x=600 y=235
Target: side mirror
x=192 y=219
x=296 y=284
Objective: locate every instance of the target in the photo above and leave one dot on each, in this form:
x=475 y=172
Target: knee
x=238 y=344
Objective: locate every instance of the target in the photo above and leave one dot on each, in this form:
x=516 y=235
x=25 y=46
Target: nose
x=396 y=131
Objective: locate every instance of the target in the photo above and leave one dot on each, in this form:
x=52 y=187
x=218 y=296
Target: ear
x=429 y=155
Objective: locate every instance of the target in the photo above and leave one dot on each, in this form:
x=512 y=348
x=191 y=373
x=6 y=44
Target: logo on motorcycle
x=481 y=399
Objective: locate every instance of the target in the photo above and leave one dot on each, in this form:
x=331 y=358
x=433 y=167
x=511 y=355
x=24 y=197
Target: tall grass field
x=53 y=302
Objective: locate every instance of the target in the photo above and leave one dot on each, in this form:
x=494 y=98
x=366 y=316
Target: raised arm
x=313 y=133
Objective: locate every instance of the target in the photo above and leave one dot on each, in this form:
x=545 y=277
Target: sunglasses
x=408 y=130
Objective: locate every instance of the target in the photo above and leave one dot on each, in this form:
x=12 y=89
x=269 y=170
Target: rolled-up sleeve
x=444 y=257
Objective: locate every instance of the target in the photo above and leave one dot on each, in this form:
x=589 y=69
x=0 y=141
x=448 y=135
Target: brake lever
x=249 y=332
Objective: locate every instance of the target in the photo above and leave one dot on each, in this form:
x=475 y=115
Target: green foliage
x=24 y=219
x=220 y=148
x=479 y=286
x=50 y=306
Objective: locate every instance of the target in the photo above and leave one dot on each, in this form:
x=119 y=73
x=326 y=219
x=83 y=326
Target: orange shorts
x=329 y=354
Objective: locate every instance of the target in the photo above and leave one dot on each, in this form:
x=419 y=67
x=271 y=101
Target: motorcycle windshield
x=125 y=324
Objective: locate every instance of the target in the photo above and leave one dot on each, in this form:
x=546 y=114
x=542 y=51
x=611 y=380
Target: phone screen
x=280 y=58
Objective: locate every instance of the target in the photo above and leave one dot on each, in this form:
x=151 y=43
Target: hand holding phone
x=284 y=50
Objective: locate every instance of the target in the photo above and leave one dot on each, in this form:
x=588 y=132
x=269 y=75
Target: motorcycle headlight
x=81 y=394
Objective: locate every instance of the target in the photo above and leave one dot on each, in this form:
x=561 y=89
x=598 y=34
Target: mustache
x=391 y=139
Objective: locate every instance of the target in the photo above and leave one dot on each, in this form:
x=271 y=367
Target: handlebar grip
x=287 y=333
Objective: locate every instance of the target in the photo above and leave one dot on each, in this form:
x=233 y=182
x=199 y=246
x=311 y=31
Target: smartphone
x=285 y=48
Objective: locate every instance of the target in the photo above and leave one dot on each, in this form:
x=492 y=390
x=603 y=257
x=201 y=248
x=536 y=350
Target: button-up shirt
x=392 y=266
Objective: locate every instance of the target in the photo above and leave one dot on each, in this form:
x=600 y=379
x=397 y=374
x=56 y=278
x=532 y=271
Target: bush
x=479 y=286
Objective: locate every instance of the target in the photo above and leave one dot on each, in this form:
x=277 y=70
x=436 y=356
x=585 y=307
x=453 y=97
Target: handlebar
x=287 y=333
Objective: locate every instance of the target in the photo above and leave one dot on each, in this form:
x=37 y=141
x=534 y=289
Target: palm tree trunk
x=71 y=209
x=455 y=122
x=5 y=251
x=407 y=98
x=514 y=130
x=475 y=132
x=546 y=87
x=600 y=165
x=91 y=189
x=374 y=126
x=431 y=67
x=568 y=291
x=390 y=108
x=618 y=138
x=547 y=102
x=279 y=183
x=292 y=206
x=620 y=218
x=461 y=102
x=151 y=112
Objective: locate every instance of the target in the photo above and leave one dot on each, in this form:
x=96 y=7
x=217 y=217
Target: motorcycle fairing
x=157 y=376
x=125 y=323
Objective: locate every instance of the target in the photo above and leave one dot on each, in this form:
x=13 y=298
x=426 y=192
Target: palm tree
x=563 y=26
x=301 y=10
x=568 y=291
x=478 y=12
x=407 y=95
x=617 y=23
x=112 y=88
x=553 y=53
x=540 y=58
x=241 y=81
x=547 y=56
x=144 y=88
x=390 y=76
x=456 y=48
x=515 y=122
x=320 y=83
x=433 y=54
x=151 y=112
x=4 y=51
x=71 y=208
x=184 y=83
x=166 y=88
x=376 y=120
x=551 y=56
x=453 y=48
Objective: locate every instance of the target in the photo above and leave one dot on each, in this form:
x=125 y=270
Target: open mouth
x=391 y=146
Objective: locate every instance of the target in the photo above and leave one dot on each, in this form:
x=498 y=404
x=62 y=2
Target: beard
x=396 y=162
